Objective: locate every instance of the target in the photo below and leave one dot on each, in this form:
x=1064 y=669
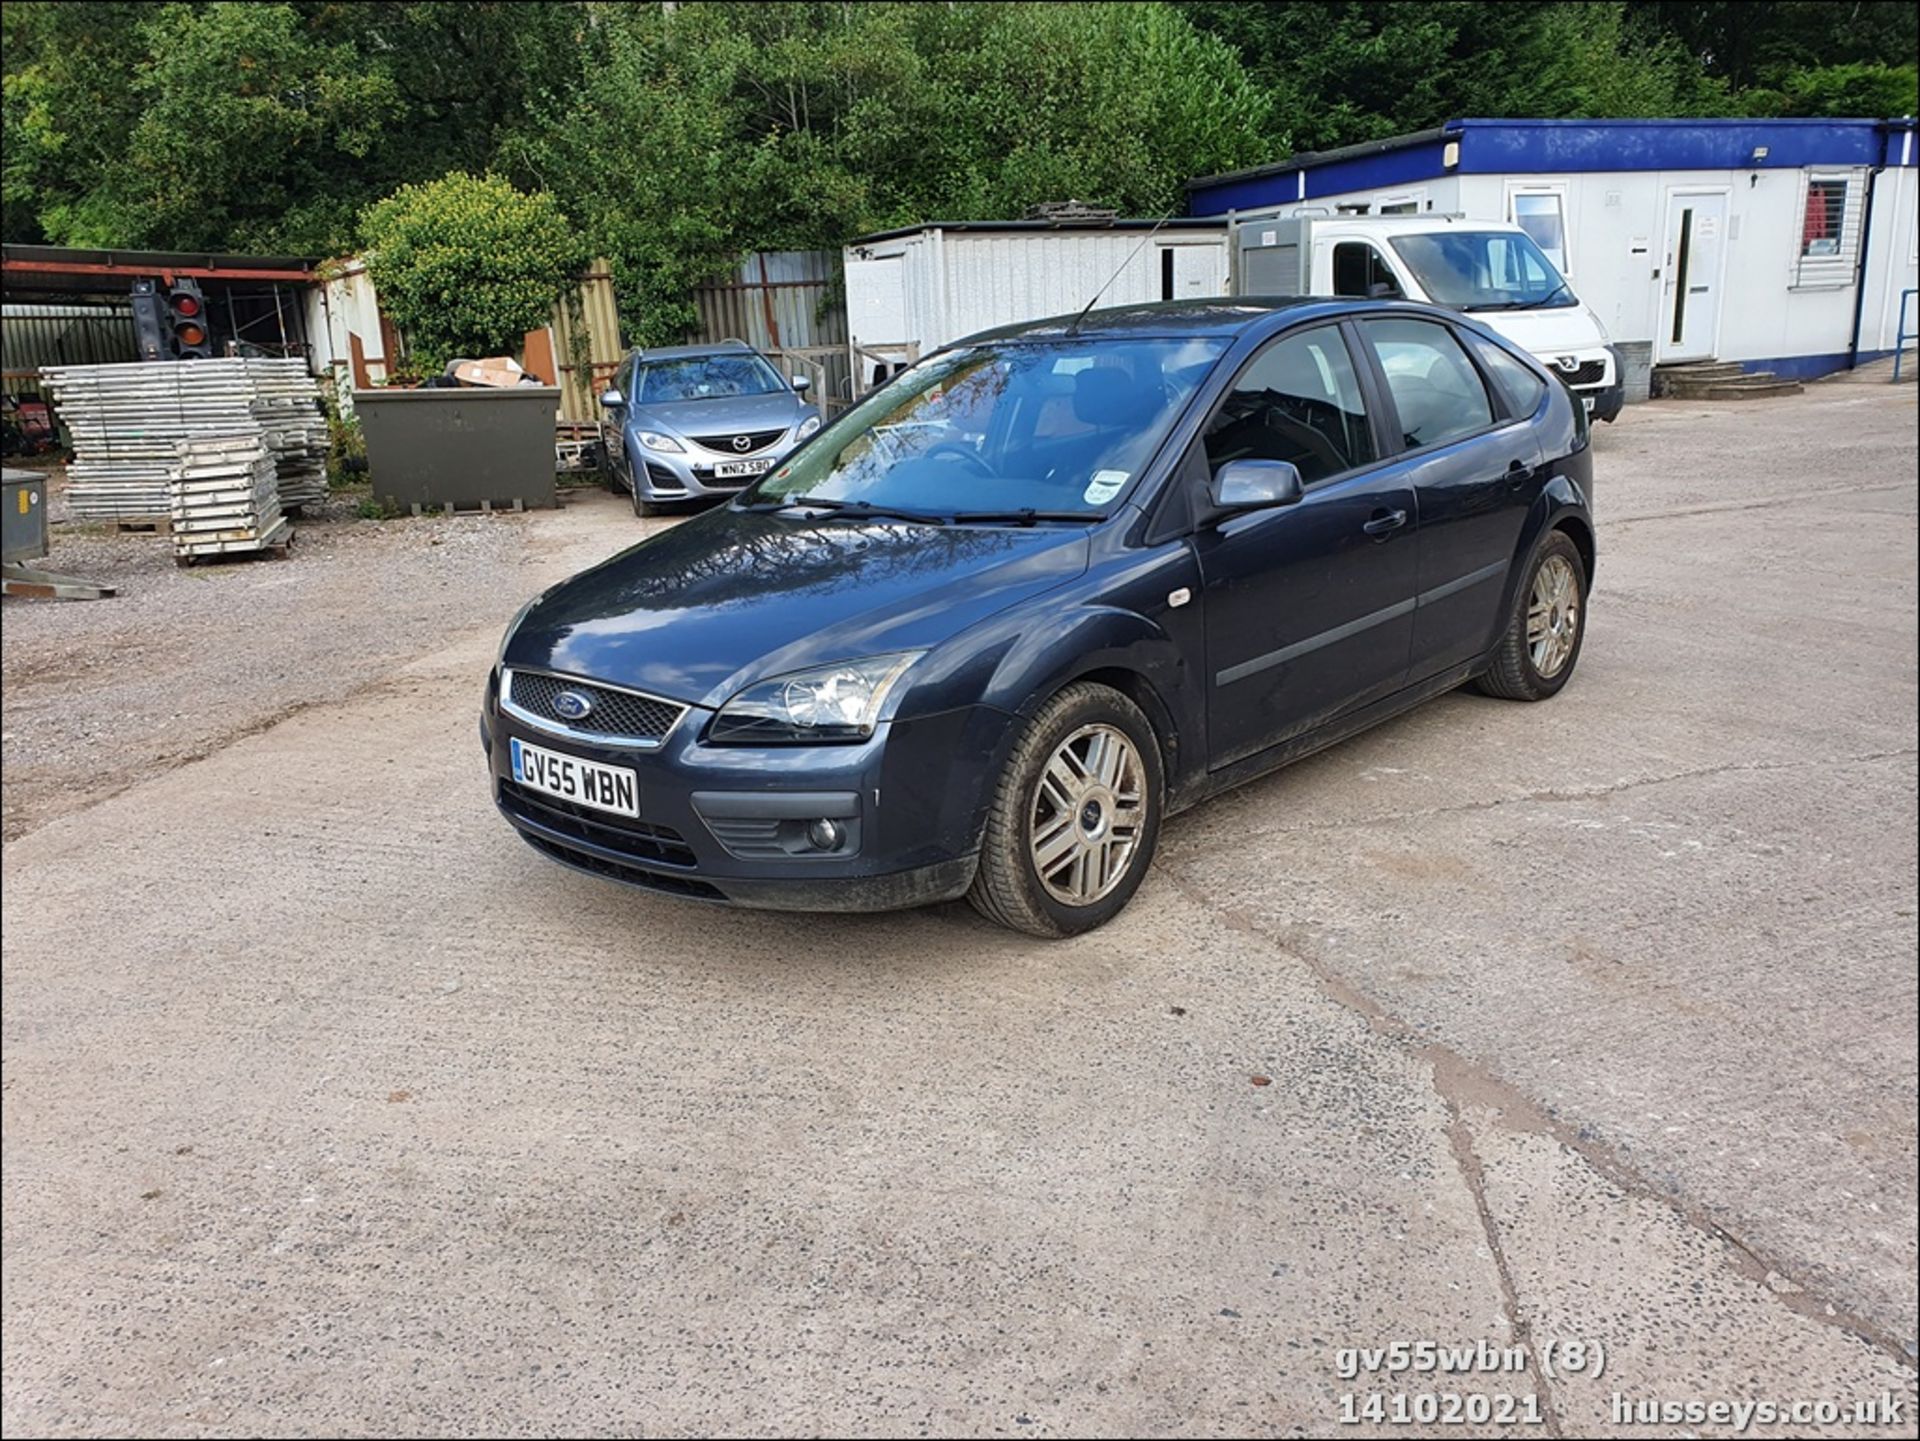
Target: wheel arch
x=1139 y=689
x=1581 y=534
x=1122 y=650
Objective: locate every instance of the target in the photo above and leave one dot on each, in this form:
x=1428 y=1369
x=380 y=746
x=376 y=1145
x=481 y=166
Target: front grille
x=632 y=875
x=724 y=444
x=657 y=845
x=616 y=713
x=1588 y=372
x=749 y=837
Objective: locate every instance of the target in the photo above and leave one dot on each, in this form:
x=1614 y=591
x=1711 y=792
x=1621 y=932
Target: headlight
x=654 y=440
x=808 y=426
x=831 y=703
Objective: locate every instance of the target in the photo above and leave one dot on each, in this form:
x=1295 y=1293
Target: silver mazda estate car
x=689 y=422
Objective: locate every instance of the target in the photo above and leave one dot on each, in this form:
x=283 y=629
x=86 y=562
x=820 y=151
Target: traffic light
x=150 y=321
x=187 y=314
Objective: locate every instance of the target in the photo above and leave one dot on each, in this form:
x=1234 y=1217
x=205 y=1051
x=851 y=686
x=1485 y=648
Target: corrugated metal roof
x=156 y=259
x=1178 y=222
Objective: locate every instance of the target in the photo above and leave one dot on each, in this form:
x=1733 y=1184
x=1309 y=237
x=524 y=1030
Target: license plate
x=572 y=778
x=726 y=469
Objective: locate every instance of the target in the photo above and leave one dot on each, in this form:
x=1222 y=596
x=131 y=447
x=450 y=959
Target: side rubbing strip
x=1353 y=627
x=1312 y=643
x=1471 y=578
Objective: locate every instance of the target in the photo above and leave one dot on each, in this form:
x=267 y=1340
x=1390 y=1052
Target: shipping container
x=37 y=335
x=1781 y=246
x=909 y=292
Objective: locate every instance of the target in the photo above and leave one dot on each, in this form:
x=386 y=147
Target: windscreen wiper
x=1027 y=515
x=862 y=508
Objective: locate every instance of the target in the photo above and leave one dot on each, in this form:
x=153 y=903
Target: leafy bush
x=467 y=265
x=346 y=449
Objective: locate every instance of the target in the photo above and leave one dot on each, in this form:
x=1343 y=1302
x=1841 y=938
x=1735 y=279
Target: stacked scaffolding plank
x=286 y=403
x=223 y=498
x=127 y=422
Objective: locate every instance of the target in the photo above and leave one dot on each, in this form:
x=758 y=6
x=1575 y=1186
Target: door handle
x=1385 y=523
x=1518 y=474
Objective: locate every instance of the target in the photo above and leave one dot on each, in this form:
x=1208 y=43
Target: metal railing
x=1903 y=335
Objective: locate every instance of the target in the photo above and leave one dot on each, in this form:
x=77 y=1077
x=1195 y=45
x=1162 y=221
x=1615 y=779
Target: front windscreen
x=703 y=377
x=1055 y=425
x=1484 y=270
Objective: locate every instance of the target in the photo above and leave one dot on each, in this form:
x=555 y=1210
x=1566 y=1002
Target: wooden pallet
x=277 y=543
x=474 y=507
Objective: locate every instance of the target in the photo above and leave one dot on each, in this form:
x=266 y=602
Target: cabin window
x=1829 y=231
x=1360 y=270
x=1543 y=215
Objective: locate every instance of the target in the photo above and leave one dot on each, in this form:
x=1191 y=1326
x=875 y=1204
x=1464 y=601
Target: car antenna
x=1074 y=329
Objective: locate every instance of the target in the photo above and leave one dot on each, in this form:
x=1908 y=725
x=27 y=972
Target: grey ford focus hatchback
x=1052 y=584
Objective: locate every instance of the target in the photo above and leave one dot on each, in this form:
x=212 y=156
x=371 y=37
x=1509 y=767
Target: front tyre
x=1075 y=817
x=642 y=507
x=1549 y=620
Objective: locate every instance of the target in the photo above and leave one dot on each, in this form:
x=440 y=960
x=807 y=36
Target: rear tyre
x=1074 y=818
x=1549 y=620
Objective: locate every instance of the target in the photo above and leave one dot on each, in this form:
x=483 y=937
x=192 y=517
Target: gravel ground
x=102 y=694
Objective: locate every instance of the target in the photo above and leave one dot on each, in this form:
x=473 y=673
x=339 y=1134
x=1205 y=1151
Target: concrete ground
x=330 y=1107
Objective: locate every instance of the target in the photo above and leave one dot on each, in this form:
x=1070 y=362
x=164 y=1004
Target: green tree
x=68 y=103
x=231 y=126
x=1352 y=71
x=235 y=130
x=467 y=265
x=1760 y=45
x=714 y=129
x=1854 y=89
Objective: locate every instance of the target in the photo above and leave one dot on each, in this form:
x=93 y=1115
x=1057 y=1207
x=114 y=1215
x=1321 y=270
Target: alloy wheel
x=1553 y=617
x=1087 y=814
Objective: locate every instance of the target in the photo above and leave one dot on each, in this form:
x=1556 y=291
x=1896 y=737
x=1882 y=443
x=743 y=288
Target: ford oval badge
x=572 y=705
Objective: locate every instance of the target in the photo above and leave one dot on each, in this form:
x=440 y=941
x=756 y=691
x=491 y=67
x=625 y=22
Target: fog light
x=824 y=835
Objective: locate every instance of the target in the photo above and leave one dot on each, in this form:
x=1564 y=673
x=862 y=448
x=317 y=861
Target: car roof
x=690 y=352
x=1226 y=317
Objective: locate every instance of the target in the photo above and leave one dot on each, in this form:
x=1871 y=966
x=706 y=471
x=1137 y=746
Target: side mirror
x=801 y=385
x=612 y=399
x=1256 y=485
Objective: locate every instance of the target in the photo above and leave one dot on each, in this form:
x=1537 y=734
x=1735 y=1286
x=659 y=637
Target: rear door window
x=1524 y=389
x=1436 y=389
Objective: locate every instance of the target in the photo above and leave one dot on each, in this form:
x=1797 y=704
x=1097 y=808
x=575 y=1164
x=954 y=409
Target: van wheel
x=1075 y=817
x=1549 y=620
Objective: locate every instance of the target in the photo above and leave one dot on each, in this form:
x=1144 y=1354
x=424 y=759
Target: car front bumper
x=1594 y=376
x=692 y=474
x=1604 y=402
x=728 y=823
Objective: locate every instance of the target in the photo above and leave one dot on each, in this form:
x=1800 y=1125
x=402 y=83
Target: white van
x=1486 y=268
